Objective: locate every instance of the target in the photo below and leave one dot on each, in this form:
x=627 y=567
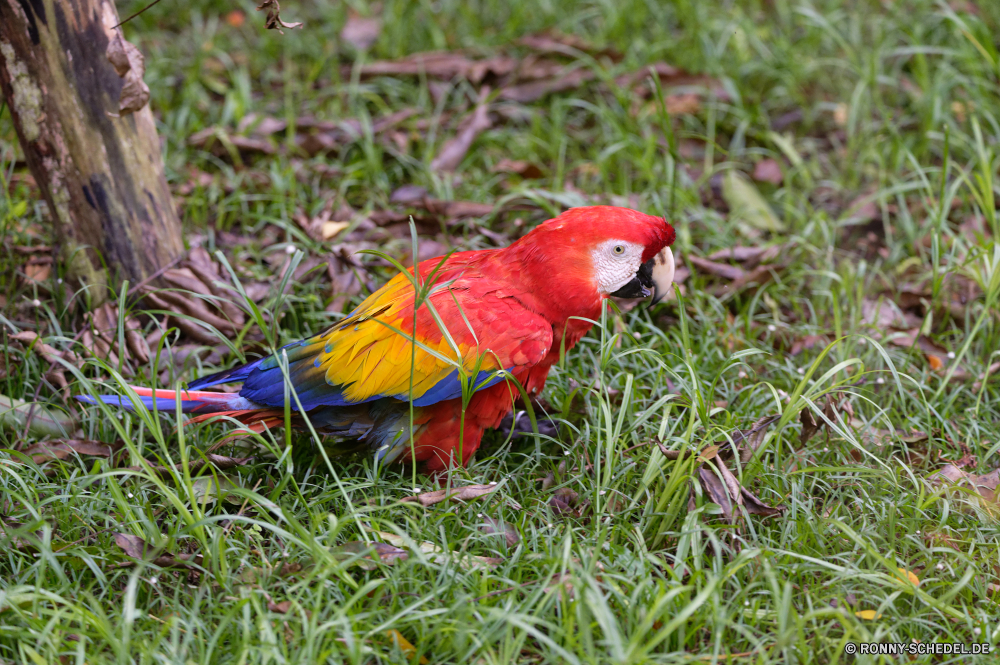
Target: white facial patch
x=615 y=264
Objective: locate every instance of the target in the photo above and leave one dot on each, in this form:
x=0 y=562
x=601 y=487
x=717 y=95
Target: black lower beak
x=641 y=286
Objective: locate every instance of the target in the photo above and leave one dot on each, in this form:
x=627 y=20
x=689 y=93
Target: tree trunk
x=101 y=175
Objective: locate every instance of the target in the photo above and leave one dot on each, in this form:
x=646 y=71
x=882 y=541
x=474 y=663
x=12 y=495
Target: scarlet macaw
x=498 y=309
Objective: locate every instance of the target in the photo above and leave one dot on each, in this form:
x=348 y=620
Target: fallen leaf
x=222 y=144
x=329 y=229
x=938 y=358
x=131 y=67
x=687 y=103
x=48 y=353
x=723 y=270
x=748 y=255
x=361 y=32
x=809 y=341
x=564 y=502
x=408 y=194
x=14 y=415
x=209 y=488
x=985 y=485
x=61 y=449
x=533 y=91
x=910 y=575
x=553 y=41
x=760 y=275
x=527 y=170
x=404 y=645
x=768 y=170
x=747 y=441
x=273 y=20
x=133 y=546
x=812 y=424
x=884 y=314
x=867 y=615
x=364 y=554
x=747 y=205
x=495 y=527
x=220 y=462
x=38 y=272
x=280 y=608
x=439 y=554
x=454 y=150
x=467 y=493
x=441 y=65
x=137 y=548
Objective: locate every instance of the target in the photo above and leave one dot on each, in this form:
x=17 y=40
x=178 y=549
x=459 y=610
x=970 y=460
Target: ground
x=843 y=151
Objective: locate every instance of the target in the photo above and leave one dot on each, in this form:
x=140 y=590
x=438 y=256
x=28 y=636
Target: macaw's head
x=611 y=251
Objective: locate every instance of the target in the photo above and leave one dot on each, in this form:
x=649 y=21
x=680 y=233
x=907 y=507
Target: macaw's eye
x=619 y=249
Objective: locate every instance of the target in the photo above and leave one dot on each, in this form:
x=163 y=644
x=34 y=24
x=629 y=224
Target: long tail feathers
x=166 y=401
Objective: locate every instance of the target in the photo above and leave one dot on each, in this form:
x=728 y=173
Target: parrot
x=389 y=376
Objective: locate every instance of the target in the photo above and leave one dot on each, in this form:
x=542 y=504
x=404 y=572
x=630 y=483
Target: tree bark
x=101 y=175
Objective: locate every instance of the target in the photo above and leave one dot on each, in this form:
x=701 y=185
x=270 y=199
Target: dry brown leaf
x=361 y=32
x=725 y=490
x=525 y=93
x=48 y=353
x=749 y=440
x=344 y=284
x=884 y=314
x=505 y=529
x=564 y=501
x=452 y=211
x=436 y=553
x=222 y=144
x=687 y=103
x=137 y=548
x=747 y=255
x=454 y=150
x=133 y=546
x=273 y=20
x=101 y=339
x=527 y=170
x=131 y=67
x=760 y=275
x=220 y=462
x=938 y=358
x=441 y=65
x=61 y=449
x=809 y=341
x=553 y=41
x=467 y=493
x=407 y=194
x=984 y=485
x=38 y=271
x=723 y=270
x=364 y=554
x=812 y=424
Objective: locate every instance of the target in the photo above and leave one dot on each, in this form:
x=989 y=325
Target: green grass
x=892 y=100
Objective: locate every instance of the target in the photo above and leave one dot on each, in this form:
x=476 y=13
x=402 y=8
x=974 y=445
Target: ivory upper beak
x=663 y=274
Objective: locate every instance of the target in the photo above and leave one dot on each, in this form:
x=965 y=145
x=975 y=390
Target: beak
x=662 y=274
x=653 y=279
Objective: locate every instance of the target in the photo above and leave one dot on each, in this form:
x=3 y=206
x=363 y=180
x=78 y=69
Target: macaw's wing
x=369 y=355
